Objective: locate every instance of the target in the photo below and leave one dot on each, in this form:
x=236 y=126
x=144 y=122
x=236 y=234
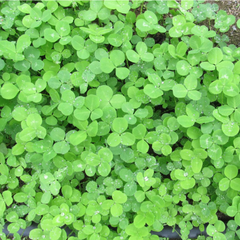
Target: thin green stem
x=141 y=7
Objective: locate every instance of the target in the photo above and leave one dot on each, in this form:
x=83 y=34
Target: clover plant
x=118 y=118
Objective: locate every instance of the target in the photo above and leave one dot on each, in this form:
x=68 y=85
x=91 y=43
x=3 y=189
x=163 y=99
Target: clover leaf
x=227 y=20
x=9 y=91
x=233 y=210
x=118 y=118
x=96 y=33
x=146 y=180
x=121 y=6
x=140 y=53
x=149 y=23
x=230 y=172
x=96 y=10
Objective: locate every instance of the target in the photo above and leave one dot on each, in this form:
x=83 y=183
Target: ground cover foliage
x=118 y=118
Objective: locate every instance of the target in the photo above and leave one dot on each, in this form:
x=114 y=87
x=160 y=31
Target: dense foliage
x=118 y=118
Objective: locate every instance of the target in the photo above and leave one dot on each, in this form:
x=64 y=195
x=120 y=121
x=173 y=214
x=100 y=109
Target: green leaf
x=104 y=93
x=141 y=48
x=82 y=113
x=27 y=134
x=22 y=65
x=61 y=147
x=130 y=188
x=196 y=164
x=232 y=211
x=127 y=138
x=172 y=124
x=126 y=174
x=57 y=134
x=185 y=121
x=183 y=67
x=152 y=91
x=2 y=64
x=142 y=146
x=46 y=197
x=230 y=129
x=113 y=139
x=95 y=68
x=190 y=82
x=77 y=42
x=143 y=25
x=88 y=76
x=78 y=166
x=119 y=197
x=67 y=191
x=9 y=91
x=207 y=66
x=225 y=110
x=215 y=55
x=166 y=150
x=216 y=87
x=36 y=233
x=2 y=207
x=132 y=56
x=122 y=72
x=231 y=171
x=20 y=197
x=62 y=28
x=25 y=8
x=34 y=120
x=179 y=91
x=65 y=108
x=93 y=159
x=117 y=101
x=92 y=129
x=68 y=96
x=139 y=131
x=234 y=184
x=117 y=57
x=106 y=65
x=119 y=125
x=12 y=216
x=55 y=233
x=42 y=209
x=224 y=184
x=23 y=42
x=104 y=169
x=237 y=220
x=77 y=138
x=114 y=40
x=7 y=196
x=150 y=17
x=51 y=35
x=188 y=183
x=194 y=95
x=105 y=154
x=55 y=188
x=117 y=210
x=231 y=90
x=139 y=195
x=139 y=221
x=215 y=152
x=92 y=102
x=13 y=227
x=186 y=4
